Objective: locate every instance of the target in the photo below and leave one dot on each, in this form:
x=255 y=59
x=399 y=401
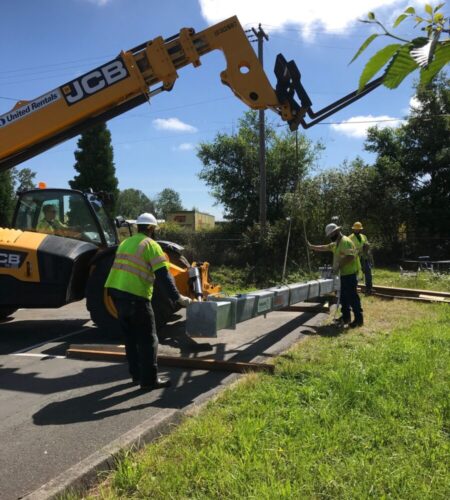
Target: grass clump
x=354 y=415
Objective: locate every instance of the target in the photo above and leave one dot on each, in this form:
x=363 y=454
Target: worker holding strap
x=345 y=262
x=139 y=262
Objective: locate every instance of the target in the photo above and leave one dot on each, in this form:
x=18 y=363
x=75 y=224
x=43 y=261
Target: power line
x=424 y=118
x=61 y=64
x=9 y=98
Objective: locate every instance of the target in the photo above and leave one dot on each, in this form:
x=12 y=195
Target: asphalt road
x=55 y=412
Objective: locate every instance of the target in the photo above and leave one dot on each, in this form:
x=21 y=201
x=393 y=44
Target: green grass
x=424 y=280
x=364 y=414
x=232 y=279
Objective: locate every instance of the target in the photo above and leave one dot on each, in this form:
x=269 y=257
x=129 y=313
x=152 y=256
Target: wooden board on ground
x=117 y=354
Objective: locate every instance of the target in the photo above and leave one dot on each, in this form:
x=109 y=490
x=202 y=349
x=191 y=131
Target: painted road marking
x=37 y=355
x=27 y=349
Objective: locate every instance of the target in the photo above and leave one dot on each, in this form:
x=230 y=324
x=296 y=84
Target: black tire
x=163 y=308
x=95 y=296
x=6 y=312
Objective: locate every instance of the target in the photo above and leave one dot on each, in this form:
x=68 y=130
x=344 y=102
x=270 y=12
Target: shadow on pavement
x=19 y=334
x=187 y=385
x=100 y=404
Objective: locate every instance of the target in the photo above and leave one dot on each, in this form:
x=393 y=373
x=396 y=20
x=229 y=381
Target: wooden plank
x=428 y=299
x=105 y=353
x=407 y=291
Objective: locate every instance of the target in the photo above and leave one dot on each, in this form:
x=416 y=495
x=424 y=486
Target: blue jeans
x=367 y=269
x=350 y=298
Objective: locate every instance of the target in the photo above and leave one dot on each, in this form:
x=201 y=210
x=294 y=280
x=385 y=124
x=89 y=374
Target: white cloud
x=357 y=125
x=329 y=15
x=174 y=125
x=185 y=146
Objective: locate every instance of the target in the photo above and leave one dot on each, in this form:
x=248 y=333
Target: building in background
x=192 y=219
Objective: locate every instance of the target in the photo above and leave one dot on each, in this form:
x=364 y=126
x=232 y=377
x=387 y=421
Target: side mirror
x=120 y=221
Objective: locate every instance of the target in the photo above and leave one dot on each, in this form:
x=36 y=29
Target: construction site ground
x=60 y=417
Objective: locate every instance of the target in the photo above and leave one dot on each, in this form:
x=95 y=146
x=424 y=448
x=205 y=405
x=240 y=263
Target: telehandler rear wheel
x=5 y=312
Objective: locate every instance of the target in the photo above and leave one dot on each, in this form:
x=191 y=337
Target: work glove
x=184 y=301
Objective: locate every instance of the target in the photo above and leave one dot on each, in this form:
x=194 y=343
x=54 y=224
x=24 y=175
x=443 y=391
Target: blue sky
x=45 y=43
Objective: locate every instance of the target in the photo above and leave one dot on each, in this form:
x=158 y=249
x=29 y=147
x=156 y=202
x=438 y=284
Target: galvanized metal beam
x=204 y=319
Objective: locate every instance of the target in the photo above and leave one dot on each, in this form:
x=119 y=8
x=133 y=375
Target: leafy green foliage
x=400 y=66
x=133 y=202
x=11 y=182
x=231 y=169
x=427 y=54
x=167 y=201
x=24 y=179
x=6 y=198
x=377 y=62
x=364 y=46
x=441 y=58
x=95 y=162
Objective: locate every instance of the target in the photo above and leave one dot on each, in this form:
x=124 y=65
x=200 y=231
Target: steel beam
x=204 y=319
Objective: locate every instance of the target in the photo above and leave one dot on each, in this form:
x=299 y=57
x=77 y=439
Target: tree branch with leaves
x=428 y=54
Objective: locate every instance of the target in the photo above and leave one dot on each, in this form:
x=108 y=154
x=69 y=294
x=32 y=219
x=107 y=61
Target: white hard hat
x=147 y=219
x=331 y=228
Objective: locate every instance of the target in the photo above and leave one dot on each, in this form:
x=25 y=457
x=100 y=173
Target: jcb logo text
x=10 y=259
x=94 y=81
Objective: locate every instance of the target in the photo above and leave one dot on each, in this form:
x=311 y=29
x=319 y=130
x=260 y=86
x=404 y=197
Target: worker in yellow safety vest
x=139 y=262
x=362 y=246
x=345 y=262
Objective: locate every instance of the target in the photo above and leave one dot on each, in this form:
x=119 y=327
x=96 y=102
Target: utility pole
x=260 y=36
x=302 y=211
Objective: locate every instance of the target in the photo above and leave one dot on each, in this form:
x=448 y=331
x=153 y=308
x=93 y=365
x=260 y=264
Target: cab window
x=58 y=213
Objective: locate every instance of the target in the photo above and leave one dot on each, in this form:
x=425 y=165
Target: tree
x=24 y=179
x=419 y=154
x=95 y=162
x=168 y=200
x=132 y=202
x=231 y=169
x=6 y=197
x=428 y=54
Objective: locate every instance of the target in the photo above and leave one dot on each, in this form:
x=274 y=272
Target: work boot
x=357 y=322
x=341 y=322
x=159 y=383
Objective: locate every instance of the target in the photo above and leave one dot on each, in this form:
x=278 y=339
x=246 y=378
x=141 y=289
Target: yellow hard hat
x=358 y=226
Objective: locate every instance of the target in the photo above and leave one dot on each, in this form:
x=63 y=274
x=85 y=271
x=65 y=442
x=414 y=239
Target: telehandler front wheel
x=98 y=302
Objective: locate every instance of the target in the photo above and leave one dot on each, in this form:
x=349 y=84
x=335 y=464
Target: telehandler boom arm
x=136 y=75
x=128 y=81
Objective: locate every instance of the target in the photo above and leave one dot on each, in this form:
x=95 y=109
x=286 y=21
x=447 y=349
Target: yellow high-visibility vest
x=136 y=261
x=359 y=244
x=344 y=248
